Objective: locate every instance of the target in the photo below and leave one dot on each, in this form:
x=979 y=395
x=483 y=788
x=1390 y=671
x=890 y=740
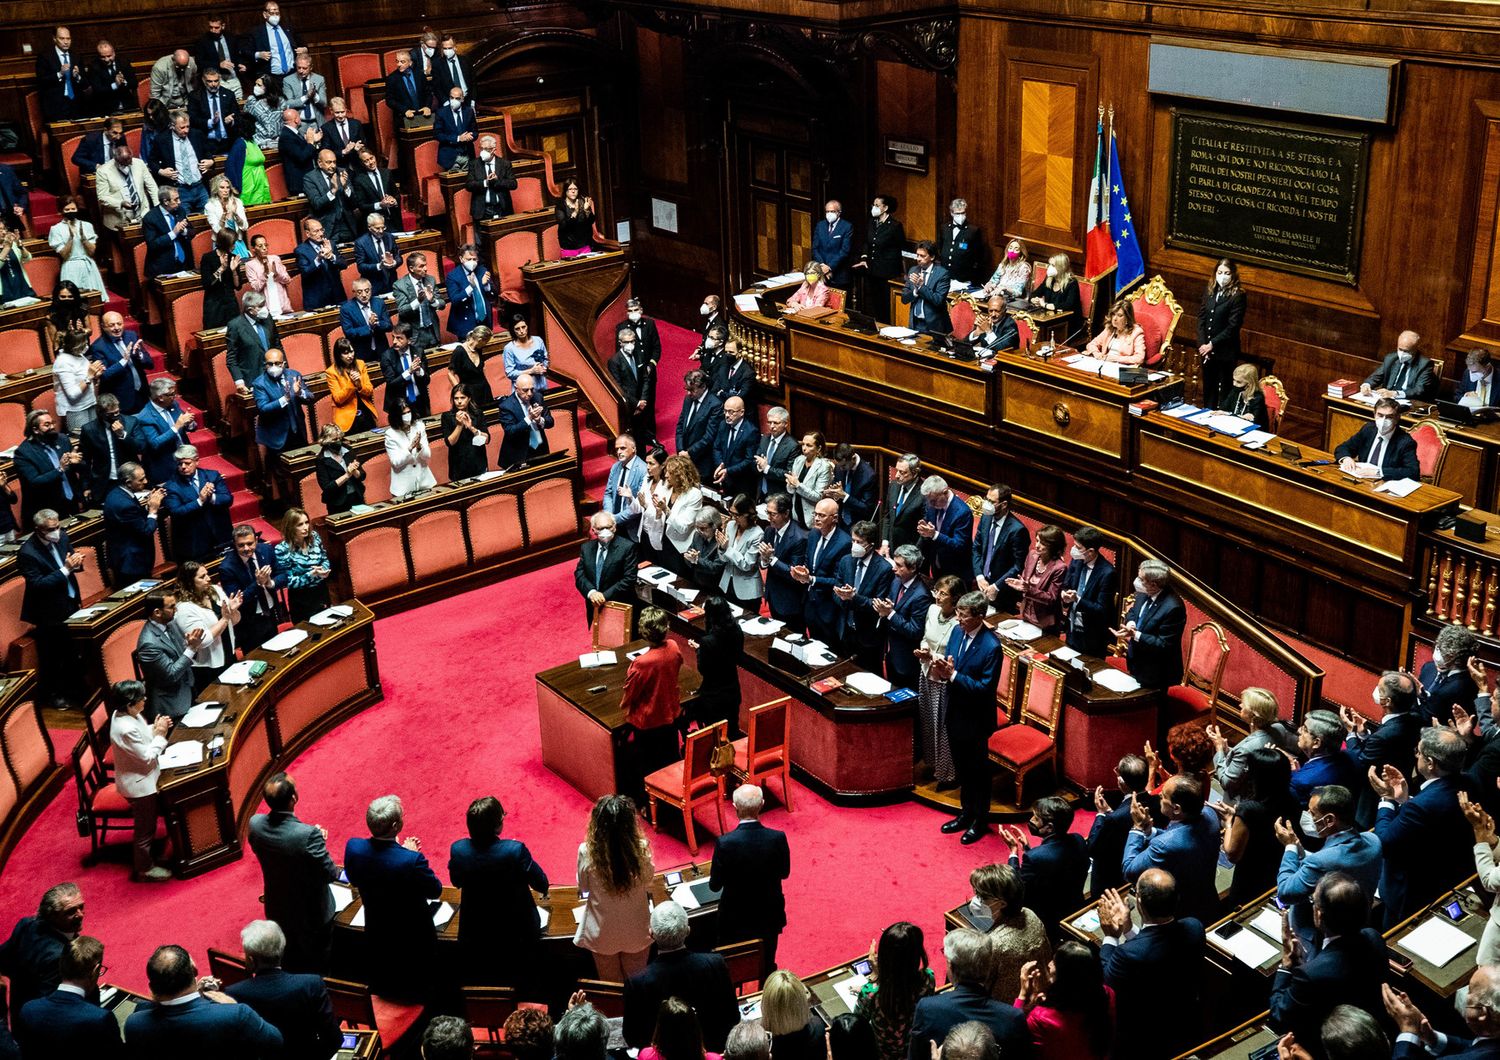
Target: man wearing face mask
x=711 y=314
x=1476 y=386
x=1424 y=838
x=711 y=352
x=833 y=241
x=1088 y=595
x=280 y=400
x=1444 y=682
x=1153 y=628
x=999 y=550
x=131 y=513
x=491 y=180
x=454 y=127
x=471 y=294
x=50 y=470
x=635 y=374
x=49 y=567
x=1373 y=747
x=107 y=444
x=1329 y=818
x=198 y=500
x=880 y=260
x=272 y=48
x=606 y=566
x=863 y=577
x=1053 y=871
x=944 y=531
x=451 y=70
x=926 y=291
x=246 y=340
x=1320 y=745
x=1405 y=373
x=960 y=243
x=1380 y=449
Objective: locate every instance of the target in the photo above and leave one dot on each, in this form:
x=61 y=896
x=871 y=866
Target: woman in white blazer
x=203 y=605
x=739 y=542
x=407 y=449
x=137 y=747
x=810 y=475
x=653 y=499
x=684 y=499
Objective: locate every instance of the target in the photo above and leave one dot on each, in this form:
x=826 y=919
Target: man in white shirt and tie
x=491 y=180
x=1380 y=449
x=345 y=135
x=276 y=47
x=926 y=291
x=1477 y=386
x=774 y=457
x=328 y=195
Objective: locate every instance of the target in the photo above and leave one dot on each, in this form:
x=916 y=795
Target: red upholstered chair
x=20 y=349
x=333 y=336
x=836 y=299
x=689 y=783
x=494 y=525
x=1432 y=447
x=1010 y=675
x=70 y=168
x=961 y=313
x=440 y=394
x=15 y=634
x=294 y=291
x=47 y=399
x=96 y=728
x=1274 y=392
x=118 y=652
x=1087 y=289
x=377 y=560
x=39 y=134
x=388 y=61
x=142 y=94
x=463 y=212
x=746 y=961
x=435 y=542
x=280 y=233
x=527 y=196
x=765 y=751
x=357 y=1009
x=385 y=134
x=613 y=625
x=494 y=374
x=562 y=436
x=1157 y=312
x=607 y=998
x=27 y=747
x=347 y=275
x=1025 y=330
x=377 y=477
x=549 y=510
x=9 y=800
x=1032 y=742
x=355 y=69
x=487 y=1008
x=203 y=242
x=91 y=578
x=551 y=248
x=513 y=250
x=276 y=184
x=1194 y=698
x=304 y=352
x=187 y=321
x=311 y=496
x=43 y=272
x=227 y=967
x=100 y=806
x=428 y=194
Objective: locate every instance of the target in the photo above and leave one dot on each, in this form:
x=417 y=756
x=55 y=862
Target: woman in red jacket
x=652 y=702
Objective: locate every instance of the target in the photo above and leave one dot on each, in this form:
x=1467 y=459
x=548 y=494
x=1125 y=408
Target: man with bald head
x=60 y=78
x=606 y=566
x=1188 y=847
x=111 y=81
x=1405 y=373
x=173 y=77
x=735 y=442
x=296 y=870
x=827 y=543
x=525 y=422
x=126 y=362
x=1163 y=960
x=321 y=262
x=1416 y=1038
x=329 y=197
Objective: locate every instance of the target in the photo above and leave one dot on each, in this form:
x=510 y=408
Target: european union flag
x=1132 y=258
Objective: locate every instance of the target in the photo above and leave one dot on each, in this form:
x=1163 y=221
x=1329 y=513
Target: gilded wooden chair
x=1432 y=448
x=1157 y=312
x=1193 y=700
x=614 y=624
x=1274 y=392
x=765 y=751
x=690 y=783
x=1032 y=741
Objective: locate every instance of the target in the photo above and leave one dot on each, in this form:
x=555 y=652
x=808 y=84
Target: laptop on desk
x=768 y=306
x=863 y=323
x=1467 y=415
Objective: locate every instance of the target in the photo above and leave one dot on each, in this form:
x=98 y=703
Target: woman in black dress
x=1219 y=321
x=223 y=274
x=466 y=367
x=1245 y=398
x=1059 y=291
x=575 y=221
x=719 y=651
x=467 y=435
x=1250 y=841
x=341 y=477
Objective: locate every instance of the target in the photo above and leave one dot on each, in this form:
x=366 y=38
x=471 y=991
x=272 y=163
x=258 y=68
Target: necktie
x=732 y=432
x=260 y=329
x=285 y=63
x=859 y=577
x=132 y=199
x=411 y=384
x=57 y=558
x=692 y=411
x=989 y=549
x=1483 y=390
x=1400 y=381
x=481 y=311
x=964 y=648
x=67 y=72
x=458 y=77
x=135 y=376
x=223 y=49
x=1083 y=584
x=330 y=186
x=67 y=487
x=213 y=108
x=536 y=429
x=411 y=86
x=1377 y=451
x=423 y=318
x=901 y=498
x=817 y=551
x=344 y=131
x=900 y=592
x=599 y=565
x=1145 y=610
x=176 y=243
x=771 y=451
x=379 y=184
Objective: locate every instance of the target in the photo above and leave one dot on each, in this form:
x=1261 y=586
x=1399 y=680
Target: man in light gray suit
x=296 y=870
x=419 y=299
x=165 y=657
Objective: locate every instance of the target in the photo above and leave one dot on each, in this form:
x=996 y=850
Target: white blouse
x=191 y=616
x=935 y=632
x=652 y=521
x=613 y=923
x=409 y=455
x=70 y=378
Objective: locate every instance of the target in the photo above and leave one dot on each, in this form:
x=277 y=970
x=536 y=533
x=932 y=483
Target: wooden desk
x=1333 y=517
x=458 y=223
x=84 y=530
x=824 y=986
x=1219 y=936
x=1247 y=1040
x=324 y=681
x=1084 y=924
x=1471 y=463
x=580 y=716
x=33 y=317
x=87 y=635
x=1446 y=980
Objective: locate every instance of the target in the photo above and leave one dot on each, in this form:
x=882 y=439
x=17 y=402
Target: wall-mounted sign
x=902 y=152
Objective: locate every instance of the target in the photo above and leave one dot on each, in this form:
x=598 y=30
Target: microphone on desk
x=1048 y=350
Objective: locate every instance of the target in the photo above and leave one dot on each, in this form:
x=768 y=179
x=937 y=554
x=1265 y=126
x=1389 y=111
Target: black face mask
x=50 y=437
x=1034 y=830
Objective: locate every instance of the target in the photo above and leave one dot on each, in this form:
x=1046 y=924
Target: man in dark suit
x=107 y=445
x=853 y=486
x=749 y=864
x=375 y=255
x=734 y=376
x=15 y=201
x=1424 y=838
x=329 y=196
x=181 y=1020
x=396 y=884
x=182 y=159
x=945 y=531
x=59 y=79
x=648 y=335
x=321 y=262
x=407 y=94
x=169 y=240
x=419 y=299
x=1088 y=595
x=903 y=505
x=165 y=659
x=68 y=1022
x=491 y=180
x=454 y=127
x=295 y=1004
x=1347 y=970
x=214 y=113
x=246 y=340
x=499 y=933
x=296 y=870
x=50 y=469
x=969 y=969
x=1111 y=827
x=700 y=979
x=833 y=242
x=161 y=429
x=1416 y=1039
x=111 y=84
x=904 y=612
x=131 y=511
x=926 y=291
x=1476 y=381
x=1188 y=847
x=471 y=294
x=343 y=135
x=1382 y=444
x=97 y=148
x=774 y=454
x=525 y=422
x=634 y=372
x=297 y=147
x=735 y=440
x=606 y=567
x=999 y=549
x=126 y=362
x=971 y=666
x=32 y=957
x=281 y=398
x=452 y=71
x=961 y=245
x=1164 y=960
x=1445 y=682
x=1391 y=743
x=863 y=576
x=406 y=373
x=270 y=48
x=880 y=260
x=250 y=568
x=827 y=543
x=198 y=501
x=1405 y=373
x=1320 y=745
x=215 y=50
x=994 y=328
x=698 y=424
x=375 y=190
x=366 y=322
x=782 y=549
x=1053 y=871
x=1153 y=628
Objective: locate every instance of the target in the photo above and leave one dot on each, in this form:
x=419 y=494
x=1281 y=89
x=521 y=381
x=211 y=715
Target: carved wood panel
x=1049 y=145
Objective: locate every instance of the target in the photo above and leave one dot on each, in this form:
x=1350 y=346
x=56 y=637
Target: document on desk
x=868 y=684
x=1437 y=942
x=1015 y=629
x=332 y=616
x=284 y=641
x=1268 y=922
x=1064 y=654
x=683 y=895
x=1364 y=471
x=848 y=990
x=1400 y=487
x=895 y=331
x=202 y=715
x=85 y=613
x=1115 y=680
x=544 y=916
x=442 y=914
x=655 y=575
x=343 y=897
x=591 y=660
x=578 y=913
x=1182 y=412
x=1246 y=946
x=185 y=753
x=1256 y=439
x=358 y=919
x=1223 y=422
x=760 y=626
x=238 y=674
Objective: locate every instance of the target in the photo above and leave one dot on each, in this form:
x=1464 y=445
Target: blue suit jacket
x=876 y=585
x=463 y=316
x=1095 y=606
x=322 y=280
x=1347 y=971
x=1189 y=850
x=1155 y=660
x=862 y=496
x=500 y=917
x=1336 y=768
x=739 y=461
x=236 y=576
x=1438 y=692
x=367 y=257
x=129 y=536
x=938 y=1014
x=634 y=474
x=447 y=124
x=784 y=594
x=971 y=692
x=296 y=1005
x=1164 y=960
x=822 y=607
x=904 y=632
x=1357 y=853
x=1053 y=873
x=947 y=551
x=1009 y=557
x=160 y=255
x=697 y=438
x=1468 y=386
x=199 y=531
x=279 y=426
x=200 y=1028
x=929 y=303
x=157 y=441
x=833 y=248
x=370 y=340
x=1427 y=845
x=1107 y=848
x=116 y=379
x=396 y=884
x=65 y=1024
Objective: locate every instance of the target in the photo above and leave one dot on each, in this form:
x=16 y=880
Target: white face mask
x=1438 y=660
x=1478 y=376
x=1385 y=425
x=485 y=156
x=705 y=309
x=260 y=90
x=709 y=342
x=471 y=265
x=628 y=347
x=54 y=536
x=1140 y=587
x=1051 y=272
x=858 y=550
x=274 y=370
x=831 y=216
x=987 y=507
x=1077 y=553
x=449 y=53
x=1404 y=356
x=273 y=20
x=1375 y=698
x=634 y=316
x=874 y=211
x=455 y=103
x=960 y=218
x=1309 y=826
x=263 y=313
x=604 y=536
x=1222 y=278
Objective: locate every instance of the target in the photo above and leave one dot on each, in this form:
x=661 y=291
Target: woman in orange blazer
x=652 y=703
x=349 y=387
x=1041 y=580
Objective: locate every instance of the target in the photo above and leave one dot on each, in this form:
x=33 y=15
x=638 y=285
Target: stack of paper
x=1015 y=629
x=893 y=331
x=760 y=626
x=1268 y=923
x=183 y=753
x=1182 y=412
x=848 y=990
x=1400 y=487
x=284 y=641
x=84 y=613
x=202 y=715
x=332 y=616
x=1115 y=680
x=442 y=914
x=590 y=660
x=342 y=896
x=655 y=575
x=1064 y=654
x=1437 y=942
x=238 y=674
x=868 y=684
x=578 y=913
x=544 y=916
x=1246 y=946
x=142 y=585
x=683 y=895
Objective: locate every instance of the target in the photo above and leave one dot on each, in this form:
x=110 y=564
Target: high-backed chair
x=1274 y=392
x=487 y=1008
x=614 y=625
x=1032 y=742
x=43 y=272
x=427 y=196
x=527 y=197
x=304 y=352
x=70 y=168
x=689 y=783
x=463 y=212
x=20 y=349
x=1157 y=312
x=607 y=998
x=101 y=807
x=1010 y=675
x=961 y=313
x=1203 y=671
x=355 y=68
x=276 y=183
x=356 y=1008
x=766 y=750
x=551 y=248
x=118 y=652
x=746 y=961
x=513 y=250
x=1432 y=448
x=1025 y=329
x=280 y=233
